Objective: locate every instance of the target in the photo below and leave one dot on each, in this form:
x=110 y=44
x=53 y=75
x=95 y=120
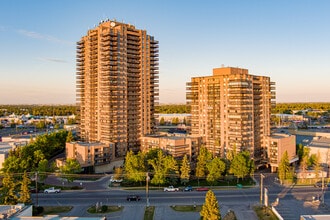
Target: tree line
x=38 y=110
x=60 y=110
x=165 y=169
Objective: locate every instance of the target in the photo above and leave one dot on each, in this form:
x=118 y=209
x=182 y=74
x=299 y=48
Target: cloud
x=36 y=35
x=52 y=59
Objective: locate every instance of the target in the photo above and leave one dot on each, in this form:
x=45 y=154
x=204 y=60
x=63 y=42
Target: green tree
x=70 y=167
x=317 y=165
x=135 y=169
x=210 y=209
x=304 y=162
x=42 y=169
x=9 y=190
x=284 y=171
x=215 y=168
x=162 y=121
x=69 y=138
x=203 y=158
x=163 y=166
x=185 y=170
x=24 y=192
x=241 y=165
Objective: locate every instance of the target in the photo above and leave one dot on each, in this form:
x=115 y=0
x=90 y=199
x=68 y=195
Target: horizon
x=285 y=41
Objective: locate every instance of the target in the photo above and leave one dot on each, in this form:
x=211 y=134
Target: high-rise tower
x=231 y=110
x=117 y=85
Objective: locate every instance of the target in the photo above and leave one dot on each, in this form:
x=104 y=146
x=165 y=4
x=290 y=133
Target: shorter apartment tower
x=279 y=143
x=173 y=145
x=231 y=110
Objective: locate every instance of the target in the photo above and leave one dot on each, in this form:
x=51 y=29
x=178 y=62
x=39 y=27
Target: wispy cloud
x=52 y=59
x=36 y=35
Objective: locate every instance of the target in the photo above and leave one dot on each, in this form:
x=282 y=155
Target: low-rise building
x=88 y=154
x=321 y=146
x=177 y=146
x=279 y=143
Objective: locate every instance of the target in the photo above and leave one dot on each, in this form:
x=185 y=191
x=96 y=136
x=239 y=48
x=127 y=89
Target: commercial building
x=231 y=110
x=320 y=146
x=279 y=143
x=117 y=86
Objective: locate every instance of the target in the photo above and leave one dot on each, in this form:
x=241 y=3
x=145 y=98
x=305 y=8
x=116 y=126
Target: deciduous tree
x=215 y=168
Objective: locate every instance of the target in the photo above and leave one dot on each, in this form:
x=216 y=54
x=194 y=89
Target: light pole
x=147 y=188
x=36 y=174
x=261 y=186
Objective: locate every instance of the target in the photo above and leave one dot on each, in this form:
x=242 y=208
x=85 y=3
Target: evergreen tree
x=8 y=190
x=24 y=193
x=284 y=171
x=203 y=158
x=317 y=165
x=185 y=170
x=210 y=209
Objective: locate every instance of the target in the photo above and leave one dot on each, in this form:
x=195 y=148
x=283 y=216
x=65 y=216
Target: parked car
x=133 y=198
x=202 y=189
x=113 y=180
x=171 y=189
x=33 y=190
x=188 y=188
x=319 y=184
x=52 y=190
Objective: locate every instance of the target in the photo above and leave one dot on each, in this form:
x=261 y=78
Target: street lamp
x=261 y=186
x=147 y=188
x=36 y=174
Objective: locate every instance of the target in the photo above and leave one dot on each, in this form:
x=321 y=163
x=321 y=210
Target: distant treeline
x=287 y=107
x=40 y=110
x=60 y=110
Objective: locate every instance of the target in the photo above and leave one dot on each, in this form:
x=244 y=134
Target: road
x=293 y=201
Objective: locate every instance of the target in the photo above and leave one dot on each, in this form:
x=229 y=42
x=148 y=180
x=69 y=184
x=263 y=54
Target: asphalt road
x=293 y=201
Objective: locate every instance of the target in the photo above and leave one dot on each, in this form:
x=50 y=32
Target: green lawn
x=149 y=213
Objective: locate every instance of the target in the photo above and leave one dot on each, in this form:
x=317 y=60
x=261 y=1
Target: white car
x=171 y=189
x=52 y=190
x=113 y=180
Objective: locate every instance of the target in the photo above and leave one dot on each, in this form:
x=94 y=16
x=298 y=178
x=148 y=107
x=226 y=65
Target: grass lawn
x=51 y=210
x=264 y=213
x=149 y=213
x=104 y=209
x=187 y=208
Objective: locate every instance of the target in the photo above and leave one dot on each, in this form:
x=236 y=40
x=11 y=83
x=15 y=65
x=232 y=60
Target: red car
x=202 y=189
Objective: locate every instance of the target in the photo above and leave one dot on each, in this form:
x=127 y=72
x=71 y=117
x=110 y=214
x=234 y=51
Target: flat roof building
x=117 y=85
x=231 y=110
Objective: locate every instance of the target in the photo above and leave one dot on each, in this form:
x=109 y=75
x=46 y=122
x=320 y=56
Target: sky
x=289 y=41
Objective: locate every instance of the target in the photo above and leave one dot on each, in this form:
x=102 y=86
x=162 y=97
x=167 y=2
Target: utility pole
x=261 y=186
x=147 y=188
x=36 y=175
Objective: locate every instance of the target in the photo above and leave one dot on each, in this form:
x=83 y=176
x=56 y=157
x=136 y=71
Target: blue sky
x=289 y=41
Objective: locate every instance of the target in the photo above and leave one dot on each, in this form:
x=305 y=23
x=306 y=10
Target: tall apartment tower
x=231 y=110
x=117 y=85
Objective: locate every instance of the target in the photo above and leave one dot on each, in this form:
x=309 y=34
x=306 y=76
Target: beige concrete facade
x=231 y=111
x=89 y=154
x=279 y=143
x=117 y=85
x=173 y=145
